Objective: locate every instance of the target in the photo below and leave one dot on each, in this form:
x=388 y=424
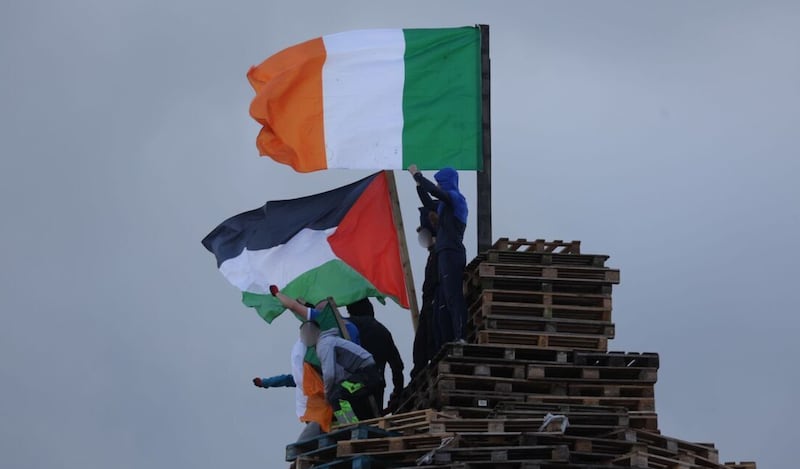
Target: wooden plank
x=542 y=324
x=561 y=273
x=483 y=307
x=617 y=359
x=675 y=445
x=327 y=441
x=591 y=374
x=503 y=370
x=407 y=422
x=404 y=258
x=538 y=245
x=547 y=298
x=641 y=404
x=741 y=465
x=495 y=352
x=542 y=340
x=527 y=283
x=390 y=445
x=548 y=454
x=339 y=320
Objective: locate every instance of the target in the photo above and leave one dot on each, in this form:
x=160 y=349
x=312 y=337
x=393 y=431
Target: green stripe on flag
x=442 y=98
x=333 y=278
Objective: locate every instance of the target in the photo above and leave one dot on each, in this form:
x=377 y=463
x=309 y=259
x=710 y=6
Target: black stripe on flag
x=279 y=221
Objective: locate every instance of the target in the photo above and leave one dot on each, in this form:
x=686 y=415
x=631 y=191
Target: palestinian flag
x=341 y=243
x=373 y=99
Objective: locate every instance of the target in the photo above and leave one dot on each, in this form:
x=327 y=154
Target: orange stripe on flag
x=288 y=104
x=317 y=408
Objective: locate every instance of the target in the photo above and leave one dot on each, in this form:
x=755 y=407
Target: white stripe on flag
x=255 y=271
x=362 y=93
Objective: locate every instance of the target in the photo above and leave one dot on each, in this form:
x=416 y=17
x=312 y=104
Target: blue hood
x=447 y=178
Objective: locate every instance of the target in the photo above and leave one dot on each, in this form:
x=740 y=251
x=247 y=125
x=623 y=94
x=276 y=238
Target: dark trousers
x=364 y=401
x=451 y=317
x=425 y=341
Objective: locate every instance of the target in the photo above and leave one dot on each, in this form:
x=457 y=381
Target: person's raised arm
x=428 y=187
x=299 y=310
x=279 y=381
x=425 y=198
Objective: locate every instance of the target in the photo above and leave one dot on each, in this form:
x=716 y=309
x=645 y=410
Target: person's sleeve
x=311 y=314
x=297 y=358
x=353 y=332
x=327 y=360
x=395 y=362
x=281 y=381
x=425 y=198
x=432 y=189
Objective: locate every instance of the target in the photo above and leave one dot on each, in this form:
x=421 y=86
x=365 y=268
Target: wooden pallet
x=354 y=462
x=403 y=445
x=488 y=426
x=548 y=454
x=649 y=459
x=449 y=382
x=511 y=355
x=482 y=399
x=591 y=374
x=572 y=274
x=475 y=283
x=506 y=362
x=643 y=420
x=634 y=404
x=487 y=304
x=497 y=370
x=493 y=352
x=535 y=298
x=740 y=465
x=407 y=423
x=542 y=340
x=706 y=451
x=326 y=443
x=585 y=449
x=519 y=389
x=610 y=390
x=539 y=324
x=544 y=258
x=606 y=415
x=617 y=359
x=584 y=420
x=515 y=465
x=539 y=245
x=474 y=428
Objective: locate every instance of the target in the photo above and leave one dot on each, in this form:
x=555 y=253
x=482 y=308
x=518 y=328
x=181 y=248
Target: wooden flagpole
x=484 y=177
x=397 y=217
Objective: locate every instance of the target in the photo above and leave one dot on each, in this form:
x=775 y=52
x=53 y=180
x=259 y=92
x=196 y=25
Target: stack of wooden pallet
x=534 y=293
x=474 y=379
x=535 y=388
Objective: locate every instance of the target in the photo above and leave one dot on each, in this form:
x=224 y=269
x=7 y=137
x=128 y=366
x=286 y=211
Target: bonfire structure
x=535 y=387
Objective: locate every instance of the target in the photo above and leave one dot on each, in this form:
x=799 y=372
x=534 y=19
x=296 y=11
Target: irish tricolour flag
x=372 y=99
x=341 y=244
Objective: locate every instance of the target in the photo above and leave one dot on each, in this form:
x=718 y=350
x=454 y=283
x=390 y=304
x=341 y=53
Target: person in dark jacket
x=426 y=343
x=450 y=253
x=377 y=340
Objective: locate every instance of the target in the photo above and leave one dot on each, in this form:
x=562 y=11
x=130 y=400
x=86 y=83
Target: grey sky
x=662 y=133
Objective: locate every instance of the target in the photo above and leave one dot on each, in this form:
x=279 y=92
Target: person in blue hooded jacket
x=451 y=207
